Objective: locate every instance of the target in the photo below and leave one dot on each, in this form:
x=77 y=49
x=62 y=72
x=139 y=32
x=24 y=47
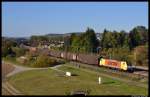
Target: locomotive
x=121 y=65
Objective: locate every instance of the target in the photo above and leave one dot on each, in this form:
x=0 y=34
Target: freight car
x=87 y=59
x=69 y=56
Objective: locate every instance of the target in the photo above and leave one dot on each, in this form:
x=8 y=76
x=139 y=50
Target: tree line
x=88 y=42
x=120 y=45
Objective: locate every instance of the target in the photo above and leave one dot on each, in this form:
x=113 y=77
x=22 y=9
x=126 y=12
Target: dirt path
x=19 y=68
x=55 y=68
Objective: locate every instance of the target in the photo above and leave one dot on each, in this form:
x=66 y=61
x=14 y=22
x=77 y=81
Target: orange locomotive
x=113 y=63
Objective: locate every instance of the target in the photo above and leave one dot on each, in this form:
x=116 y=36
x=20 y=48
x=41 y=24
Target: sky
x=23 y=19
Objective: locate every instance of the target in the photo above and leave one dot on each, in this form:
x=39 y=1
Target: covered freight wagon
x=88 y=59
x=55 y=53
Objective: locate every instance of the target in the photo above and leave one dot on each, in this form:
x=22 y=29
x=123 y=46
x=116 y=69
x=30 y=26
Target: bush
x=10 y=58
x=44 y=61
x=30 y=56
x=19 y=51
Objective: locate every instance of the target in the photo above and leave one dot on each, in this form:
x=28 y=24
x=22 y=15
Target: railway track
x=135 y=75
x=10 y=89
x=7 y=71
x=106 y=69
x=130 y=82
x=142 y=73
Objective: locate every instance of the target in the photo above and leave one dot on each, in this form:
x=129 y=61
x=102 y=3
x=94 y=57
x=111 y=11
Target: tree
x=86 y=42
x=75 y=43
x=73 y=35
x=103 y=38
x=7 y=51
x=127 y=42
x=138 y=36
x=7 y=47
x=109 y=39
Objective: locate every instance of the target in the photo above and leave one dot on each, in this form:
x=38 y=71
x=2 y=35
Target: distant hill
x=54 y=35
x=17 y=39
x=98 y=35
x=69 y=34
x=61 y=35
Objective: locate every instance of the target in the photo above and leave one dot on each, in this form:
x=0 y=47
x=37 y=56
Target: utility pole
x=110 y=56
x=76 y=56
x=135 y=56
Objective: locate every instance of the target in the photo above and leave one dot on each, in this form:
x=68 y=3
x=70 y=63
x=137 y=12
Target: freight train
x=93 y=60
x=90 y=59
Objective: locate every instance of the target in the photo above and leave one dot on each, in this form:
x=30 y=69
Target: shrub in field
x=30 y=56
x=61 y=61
x=44 y=61
x=21 y=59
x=19 y=51
x=8 y=57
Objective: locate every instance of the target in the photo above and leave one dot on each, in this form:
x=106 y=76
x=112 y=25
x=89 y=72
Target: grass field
x=123 y=75
x=50 y=82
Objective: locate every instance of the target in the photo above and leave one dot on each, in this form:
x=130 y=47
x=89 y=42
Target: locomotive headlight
x=124 y=65
x=102 y=62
